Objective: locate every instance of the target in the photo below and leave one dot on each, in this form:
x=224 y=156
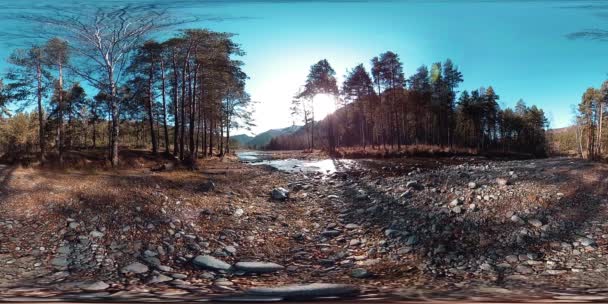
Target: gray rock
x=524 y=269
x=238 y=212
x=413 y=185
x=230 y=249
x=159 y=278
x=472 y=185
x=95 y=286
x=280 y=194
x=360 y=273
x=135 y=267
x=351 y=226
x=586 y=241
x=307 y=291
x=516 y=219
x=209 y=262
x=536 y=223
x=258 y=267
x=207 y=186
x=60 y=262
x=502 y=181
x=454 y=203
x=96 y=234
x=330 y=233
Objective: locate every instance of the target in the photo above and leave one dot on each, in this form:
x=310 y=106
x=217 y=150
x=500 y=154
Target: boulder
x=135 y=267
x=279 y=194
x=305 y=291
x=258 y=267
x=209 y=262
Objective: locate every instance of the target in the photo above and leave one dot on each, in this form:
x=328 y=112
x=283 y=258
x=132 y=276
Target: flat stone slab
x=305 y=291
x=136 y=267
x=209 y=262
x=258 y=267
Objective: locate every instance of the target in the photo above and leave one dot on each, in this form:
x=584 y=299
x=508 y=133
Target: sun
x=324 y=104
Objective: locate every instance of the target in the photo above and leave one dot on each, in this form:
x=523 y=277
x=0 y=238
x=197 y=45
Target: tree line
x=589 y=138
x=181 y=96
x=383 y=108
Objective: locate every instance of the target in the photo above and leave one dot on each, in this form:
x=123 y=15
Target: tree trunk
x=175 y=106
x=42 y=156
x=151 y=110
x=115 y=122
x=166 y=128
x=60 y=114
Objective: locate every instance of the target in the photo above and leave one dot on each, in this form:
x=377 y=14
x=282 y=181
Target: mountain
x=262 y=139
x=242 y=139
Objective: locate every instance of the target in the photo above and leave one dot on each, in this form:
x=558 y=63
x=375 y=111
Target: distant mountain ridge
x=263 y=139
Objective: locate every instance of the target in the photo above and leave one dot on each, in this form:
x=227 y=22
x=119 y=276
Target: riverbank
x=404 y=228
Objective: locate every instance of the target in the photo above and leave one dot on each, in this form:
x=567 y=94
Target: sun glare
x=324 y=105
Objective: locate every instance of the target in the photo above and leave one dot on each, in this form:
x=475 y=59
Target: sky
x=520 y=48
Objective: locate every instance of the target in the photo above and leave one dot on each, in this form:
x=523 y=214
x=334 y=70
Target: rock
x=472 y=185
x=207 y=186
x=472 y=207
x=330 y=233
x=413 y=185
x=360 y=273
x=73 y=225
x=95 y=286
x=586 y=241
x=516 y=219
x=355 y=242
x=280 y=194
x=411 y=240
x=457 y=210
x=307 y=291
x=135 y=267
x=351 y=226
x=536 y=223
x=159 y=278
x=512 y=258
x=258 y=267
x=454 y=203
x=524 y=269
x=96 y=234
x=60 y=262
x=209 y=262
x=502 y=181
x=238 y=212
x=230 y=249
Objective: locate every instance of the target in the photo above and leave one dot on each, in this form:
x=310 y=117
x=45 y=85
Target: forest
x=383 y=108
x=180 y=96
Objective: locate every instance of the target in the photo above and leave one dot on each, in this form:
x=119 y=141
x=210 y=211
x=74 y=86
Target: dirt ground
x=401 y=229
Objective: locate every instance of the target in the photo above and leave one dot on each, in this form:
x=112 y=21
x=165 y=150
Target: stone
x=586 y=241
x=536 y=223
x=95 y=286
x=502 y=182
x=238 y=212
x=360 y=273
x=96 y=234
x=351 y=226
x=457 y=210
x=230 y=249
x=512 y=258
x=355 y=242
x=524 y=269
x=454 y=203
x=258 y=267
x=209 y=262
x=60 y=262
x=472 y=185
x=207 y=186
x=306 y=291
x=330 y=233
x=159 y=278
x=413 y=185
x=516 y=219
x=279 y=194
x=135 y=267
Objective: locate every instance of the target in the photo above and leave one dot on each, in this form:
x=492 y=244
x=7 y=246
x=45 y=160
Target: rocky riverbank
x=393 y=228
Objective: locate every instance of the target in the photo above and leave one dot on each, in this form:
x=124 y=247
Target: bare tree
x=103 y=41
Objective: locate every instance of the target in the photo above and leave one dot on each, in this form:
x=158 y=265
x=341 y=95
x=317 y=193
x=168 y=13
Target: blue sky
x=518 y=47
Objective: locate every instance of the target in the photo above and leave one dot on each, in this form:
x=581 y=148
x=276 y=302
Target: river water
x=293 y=165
